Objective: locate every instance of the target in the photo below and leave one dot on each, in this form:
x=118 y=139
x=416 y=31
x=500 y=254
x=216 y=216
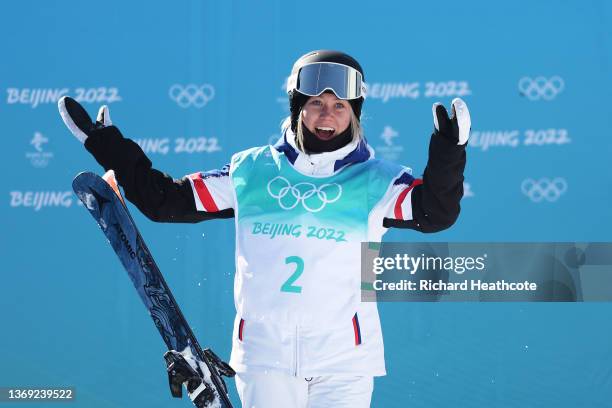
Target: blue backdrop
x=195 y=81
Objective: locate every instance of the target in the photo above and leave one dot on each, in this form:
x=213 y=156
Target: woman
x=302 y=336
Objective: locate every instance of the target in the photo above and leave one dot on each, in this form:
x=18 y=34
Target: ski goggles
x=316 y=78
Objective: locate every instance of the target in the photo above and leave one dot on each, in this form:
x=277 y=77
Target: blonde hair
x=356 y=128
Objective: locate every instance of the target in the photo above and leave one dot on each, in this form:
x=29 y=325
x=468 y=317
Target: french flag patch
x=357 y=330
x=403 y=205
x=205 y=201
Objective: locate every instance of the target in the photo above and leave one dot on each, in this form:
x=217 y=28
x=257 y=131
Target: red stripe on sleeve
x=203 y=193
x=402 y=196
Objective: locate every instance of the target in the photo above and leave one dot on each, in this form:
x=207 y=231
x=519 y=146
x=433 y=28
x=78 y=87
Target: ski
x=202 y=378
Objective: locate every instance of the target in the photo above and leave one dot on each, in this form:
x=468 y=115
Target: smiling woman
x=327 y=124
x=326 y=90
x=302 y=208
x=326 y=116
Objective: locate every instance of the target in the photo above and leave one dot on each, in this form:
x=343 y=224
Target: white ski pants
x=278 y=390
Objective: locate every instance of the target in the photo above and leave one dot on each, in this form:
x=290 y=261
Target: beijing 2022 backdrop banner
x=195 y=81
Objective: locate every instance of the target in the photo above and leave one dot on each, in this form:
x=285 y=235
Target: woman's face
x=326 y=116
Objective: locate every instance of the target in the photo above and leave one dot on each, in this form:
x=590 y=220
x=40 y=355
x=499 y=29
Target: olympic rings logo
x=313 y=198
x=191 y=95
x=544 y=189
x=540 y=87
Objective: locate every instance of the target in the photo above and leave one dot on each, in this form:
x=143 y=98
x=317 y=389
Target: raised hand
x=457 y=127
x=78 y=120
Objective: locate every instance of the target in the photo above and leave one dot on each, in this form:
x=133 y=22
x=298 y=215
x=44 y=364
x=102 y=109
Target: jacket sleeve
x=193 y=198
x=430 y=204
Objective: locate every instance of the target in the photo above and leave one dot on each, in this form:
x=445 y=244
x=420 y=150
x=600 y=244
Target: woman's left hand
x=457 y=127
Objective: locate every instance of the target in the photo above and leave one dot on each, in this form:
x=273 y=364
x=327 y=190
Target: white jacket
x=300 y=221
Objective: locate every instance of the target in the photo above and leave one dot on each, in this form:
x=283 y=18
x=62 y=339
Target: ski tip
x=110 y=179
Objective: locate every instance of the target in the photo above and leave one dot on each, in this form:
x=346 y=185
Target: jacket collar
x=323 y=164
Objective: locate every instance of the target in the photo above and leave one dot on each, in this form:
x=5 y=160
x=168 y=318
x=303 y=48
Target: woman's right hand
x=78 y=120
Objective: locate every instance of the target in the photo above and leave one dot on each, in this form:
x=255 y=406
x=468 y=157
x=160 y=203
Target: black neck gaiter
x=312 y=144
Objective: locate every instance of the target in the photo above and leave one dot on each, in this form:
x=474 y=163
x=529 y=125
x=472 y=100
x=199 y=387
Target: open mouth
x=324 y=132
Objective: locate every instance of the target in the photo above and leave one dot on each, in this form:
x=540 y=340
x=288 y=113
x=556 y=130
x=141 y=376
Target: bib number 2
x=289 y=286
